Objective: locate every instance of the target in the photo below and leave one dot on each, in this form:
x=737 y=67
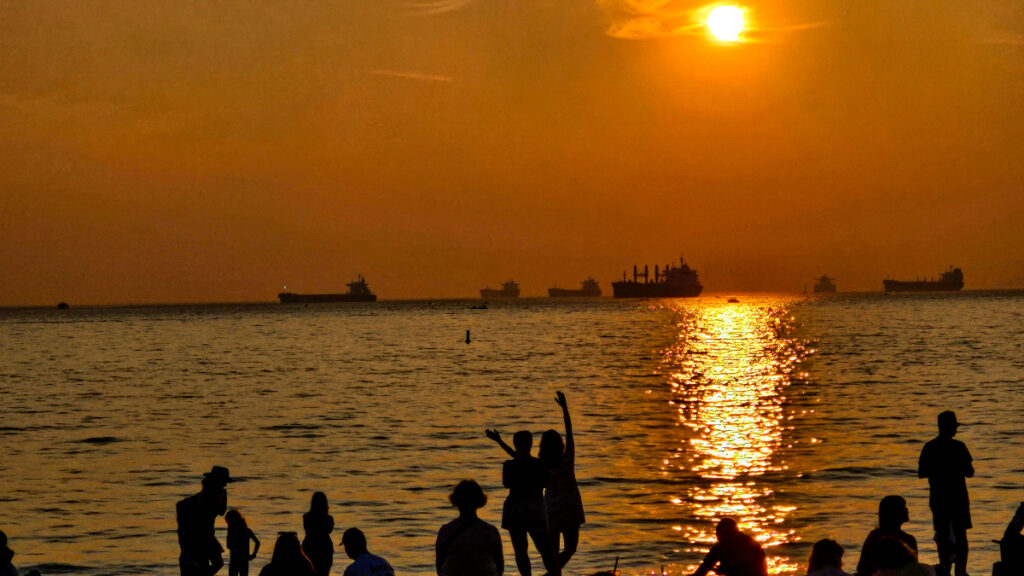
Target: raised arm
x=493 y=434
x=569 y=444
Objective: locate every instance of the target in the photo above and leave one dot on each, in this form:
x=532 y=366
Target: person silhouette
x=826 y=559
x=523 y=513
x=946 y=463
x=317 y=544
x=468 y=546
x=894 y=558
x=892 y=513
x=239 y=536
x=288 y=559
x=201 y=552
x=1011 y=547
x=364 y=563
x=562 y=493
x=735 y=554
x=7 y=567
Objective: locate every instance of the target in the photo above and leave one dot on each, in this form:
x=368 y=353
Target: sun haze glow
x=726 y=23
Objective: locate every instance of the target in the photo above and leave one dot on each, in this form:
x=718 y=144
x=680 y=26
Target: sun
x=725 y=23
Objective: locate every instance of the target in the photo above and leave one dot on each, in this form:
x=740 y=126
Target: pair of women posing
x=543 y=496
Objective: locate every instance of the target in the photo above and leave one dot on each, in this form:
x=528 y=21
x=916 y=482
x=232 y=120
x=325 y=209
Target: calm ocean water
x=793 y=414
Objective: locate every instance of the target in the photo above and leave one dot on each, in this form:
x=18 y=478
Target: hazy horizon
x=196 y=152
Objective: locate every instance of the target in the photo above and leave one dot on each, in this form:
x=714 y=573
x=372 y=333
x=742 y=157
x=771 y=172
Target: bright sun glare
x=726 y=23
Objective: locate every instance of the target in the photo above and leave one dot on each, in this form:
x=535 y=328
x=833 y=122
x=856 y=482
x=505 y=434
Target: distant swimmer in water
x=468 y=546
x=892 y=513
x=947 y=464
x=735 y=554
x=523 y=513
x=239 y=535
x=562 y=492
x=317 y=544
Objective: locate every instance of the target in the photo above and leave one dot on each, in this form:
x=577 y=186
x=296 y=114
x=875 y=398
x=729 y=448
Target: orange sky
x=155 y=151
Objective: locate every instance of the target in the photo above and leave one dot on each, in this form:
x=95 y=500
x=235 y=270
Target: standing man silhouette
x=201 y=552
x=946 y=463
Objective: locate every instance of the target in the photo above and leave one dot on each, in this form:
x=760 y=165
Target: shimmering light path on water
x=794 y=415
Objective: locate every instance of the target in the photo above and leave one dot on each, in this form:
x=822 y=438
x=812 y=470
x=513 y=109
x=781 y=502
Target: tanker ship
x=670 y=282
x=358 y=291
x=509 y=289
x=949 y=281
x=589 y=289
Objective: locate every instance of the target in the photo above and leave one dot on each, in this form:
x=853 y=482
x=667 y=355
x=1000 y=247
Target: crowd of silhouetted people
x=544 y=506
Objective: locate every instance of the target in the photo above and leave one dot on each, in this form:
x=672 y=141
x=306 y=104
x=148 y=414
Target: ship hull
x=629 y=289
x=921 y=286
x=824 y=289
x=293 y=298
x=569 y=293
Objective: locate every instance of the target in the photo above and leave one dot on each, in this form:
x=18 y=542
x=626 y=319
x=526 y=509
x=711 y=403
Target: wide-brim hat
x=218 y=474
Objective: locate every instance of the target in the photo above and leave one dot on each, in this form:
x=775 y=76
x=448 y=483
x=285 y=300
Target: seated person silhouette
x=894 y=558
x=365 y=564
x=1011 y=548
x=826 y=559
x=6 y=556
x=469 y=546
x=892 y=513
x=735 y=554
x=288 y=558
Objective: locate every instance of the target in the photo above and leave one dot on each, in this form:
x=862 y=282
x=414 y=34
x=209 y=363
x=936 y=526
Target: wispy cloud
x=433 y=7
x=421 y=76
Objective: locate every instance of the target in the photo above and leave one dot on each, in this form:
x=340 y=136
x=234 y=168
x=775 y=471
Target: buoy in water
x=467 y=336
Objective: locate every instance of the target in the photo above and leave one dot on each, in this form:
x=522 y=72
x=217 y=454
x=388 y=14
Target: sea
x=793 y=414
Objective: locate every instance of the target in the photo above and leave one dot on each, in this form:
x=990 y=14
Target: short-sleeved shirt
x=945 y=462
x=369 y=565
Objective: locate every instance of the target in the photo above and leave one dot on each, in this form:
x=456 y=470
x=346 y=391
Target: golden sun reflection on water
x=729 y=370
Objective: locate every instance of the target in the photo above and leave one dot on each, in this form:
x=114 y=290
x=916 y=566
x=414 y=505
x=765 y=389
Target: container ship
x=589 y=289
x=824 y=285
x=509 y=289
x=670 y=282
x=358 y=291
x=951 y=280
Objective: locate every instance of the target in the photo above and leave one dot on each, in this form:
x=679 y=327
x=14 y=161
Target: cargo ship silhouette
x=951 y=280
x=671 y=282
x=509 y=289
x=589 y=289
x=824 y=285
x=358 y=291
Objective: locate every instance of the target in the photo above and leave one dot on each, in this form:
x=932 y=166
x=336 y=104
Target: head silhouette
x=234 y=518
x=726 y=529
x=826 y=552
x=354 y=542
x=6 y=554
x=318 y=504
x=892 y=512
x=551 y=448
x=890 y=554
x=523 y=442
x=287 y=550
x=948 y=424
x=468 y=495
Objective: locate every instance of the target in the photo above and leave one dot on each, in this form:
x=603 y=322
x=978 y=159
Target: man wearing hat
x=200 y=550
x=946 y=463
